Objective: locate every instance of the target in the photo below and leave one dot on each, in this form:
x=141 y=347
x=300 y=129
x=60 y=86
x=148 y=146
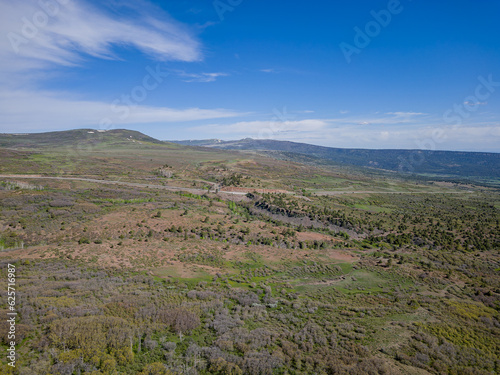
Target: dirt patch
x=234 y=189
x=311 y=236
x=343 y=256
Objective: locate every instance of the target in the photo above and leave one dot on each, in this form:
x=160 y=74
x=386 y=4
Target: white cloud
x=472 y=104
x=201 y=77
x=262 y=129
x=405 y=114
x=390 y=118
x=378 y=132
x=38 y=37
x=33 y=111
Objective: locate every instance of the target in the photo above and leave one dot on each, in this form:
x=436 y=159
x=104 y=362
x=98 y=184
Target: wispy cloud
x=33 y=111
x=406 y=114
x=65 y=35
x=201 y=77
x=387 y=119
x=367 y=127
x=254 y=128
x=473 y=104
x=468 y=137
x=390 y=130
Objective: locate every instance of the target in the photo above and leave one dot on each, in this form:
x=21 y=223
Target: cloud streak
x=201 y=77
x=37 y=111
x=65 y=33
x=394 y=130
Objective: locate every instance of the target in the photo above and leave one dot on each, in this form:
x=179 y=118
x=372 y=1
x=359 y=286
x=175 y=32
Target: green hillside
x=440 y=163
x=79 y=137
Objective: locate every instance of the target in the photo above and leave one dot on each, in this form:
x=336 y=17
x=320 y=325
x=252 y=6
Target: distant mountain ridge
x=450 y=164
x=443 y=163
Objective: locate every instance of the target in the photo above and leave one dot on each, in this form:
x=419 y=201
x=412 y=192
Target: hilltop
x=78 y=137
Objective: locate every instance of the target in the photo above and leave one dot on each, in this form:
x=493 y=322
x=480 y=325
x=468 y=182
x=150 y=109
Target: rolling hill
x=79 y=137
x=442 y=164
x=438 y=163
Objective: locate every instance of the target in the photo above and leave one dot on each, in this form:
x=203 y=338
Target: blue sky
x=365 y=74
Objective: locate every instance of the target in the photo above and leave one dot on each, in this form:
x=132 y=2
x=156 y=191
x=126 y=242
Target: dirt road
x=202 y=191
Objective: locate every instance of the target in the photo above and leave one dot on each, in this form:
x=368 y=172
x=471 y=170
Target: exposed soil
x=234 y=189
